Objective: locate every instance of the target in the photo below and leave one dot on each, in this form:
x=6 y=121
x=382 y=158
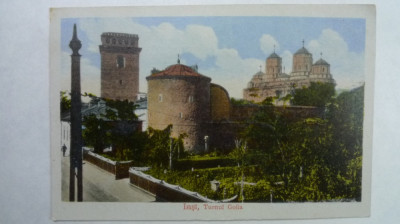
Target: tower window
x=160 y=98
x=120 y=61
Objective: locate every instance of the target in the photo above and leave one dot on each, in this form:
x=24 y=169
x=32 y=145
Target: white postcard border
x=174 y=211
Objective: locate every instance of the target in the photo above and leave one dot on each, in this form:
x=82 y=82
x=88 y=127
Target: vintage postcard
x=239 y=112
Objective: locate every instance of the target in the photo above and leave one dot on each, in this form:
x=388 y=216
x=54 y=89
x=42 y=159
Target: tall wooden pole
x=76 y=119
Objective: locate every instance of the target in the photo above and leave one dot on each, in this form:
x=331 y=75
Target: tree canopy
x=317 y=94
x=316 y=158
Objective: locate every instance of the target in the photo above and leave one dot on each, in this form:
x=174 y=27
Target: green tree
x=159 y=147
x=65 y=102
x=317 y=94
x=118 y=127
x=238 y=102
x=346 y=115
x=96 y=132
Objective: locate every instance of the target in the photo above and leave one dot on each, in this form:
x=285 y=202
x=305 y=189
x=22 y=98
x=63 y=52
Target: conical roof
x=302 y=50
x=273 y=55
x=178 y=70
x=321 y=62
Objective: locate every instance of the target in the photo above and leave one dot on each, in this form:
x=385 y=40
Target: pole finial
x=74 y=34
x=75 y=43
x=179 y=60
x=303 y=42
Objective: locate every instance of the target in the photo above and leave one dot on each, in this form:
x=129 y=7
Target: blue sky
x=227 y=49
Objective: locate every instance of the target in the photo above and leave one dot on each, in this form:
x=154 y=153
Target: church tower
x=302 y=61
x=119 y=66
x=273 y=66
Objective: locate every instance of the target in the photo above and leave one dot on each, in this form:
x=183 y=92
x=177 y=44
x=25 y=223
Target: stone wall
x=119 y=169
x=220 y=103
x=162 y=190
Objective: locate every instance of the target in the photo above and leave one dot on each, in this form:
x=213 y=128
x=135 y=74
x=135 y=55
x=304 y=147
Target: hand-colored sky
x=227 y=49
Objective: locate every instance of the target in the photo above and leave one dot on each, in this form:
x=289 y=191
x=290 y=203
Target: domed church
x=275 y=83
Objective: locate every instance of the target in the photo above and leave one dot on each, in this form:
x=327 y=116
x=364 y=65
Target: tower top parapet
x=119 y=39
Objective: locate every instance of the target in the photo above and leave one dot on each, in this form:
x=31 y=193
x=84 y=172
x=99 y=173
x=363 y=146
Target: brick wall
x=162 y=190
x=119 y=169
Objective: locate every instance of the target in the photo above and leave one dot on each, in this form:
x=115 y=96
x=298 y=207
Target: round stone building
x=180 y=96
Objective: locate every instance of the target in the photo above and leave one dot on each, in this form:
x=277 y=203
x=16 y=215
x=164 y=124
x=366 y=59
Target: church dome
x=302 y=50
x=321 y=62
x=274 y=55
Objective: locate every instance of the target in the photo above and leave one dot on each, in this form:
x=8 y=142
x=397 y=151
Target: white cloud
x=347 y=67
x=232 y=71
x=268 y=44
x=90 y=75
x=162 y=43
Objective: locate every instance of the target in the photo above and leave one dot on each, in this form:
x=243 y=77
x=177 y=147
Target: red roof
x=178 y=70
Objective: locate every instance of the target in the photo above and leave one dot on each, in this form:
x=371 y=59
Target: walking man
x=64 y=149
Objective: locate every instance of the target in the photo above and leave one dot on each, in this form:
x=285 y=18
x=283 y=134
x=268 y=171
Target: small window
x=180 y=115
x=190 y=99
x=160 y=98
x=120 y=61
x=120 y=82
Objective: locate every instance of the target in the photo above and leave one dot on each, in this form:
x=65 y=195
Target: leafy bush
x=203 y=163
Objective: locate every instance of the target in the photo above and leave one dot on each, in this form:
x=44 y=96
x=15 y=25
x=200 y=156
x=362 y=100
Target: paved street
x=101 y=186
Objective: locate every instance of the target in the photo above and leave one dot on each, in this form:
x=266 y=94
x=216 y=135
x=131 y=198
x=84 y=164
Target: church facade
x=275 y=83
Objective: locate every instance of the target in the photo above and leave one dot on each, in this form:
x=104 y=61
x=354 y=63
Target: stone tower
x=180 y=96
x=321 y=67
x=273 y=66
x=302 y=62
x=119 y=66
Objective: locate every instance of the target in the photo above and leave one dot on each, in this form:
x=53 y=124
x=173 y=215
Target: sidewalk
x=101 y=186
